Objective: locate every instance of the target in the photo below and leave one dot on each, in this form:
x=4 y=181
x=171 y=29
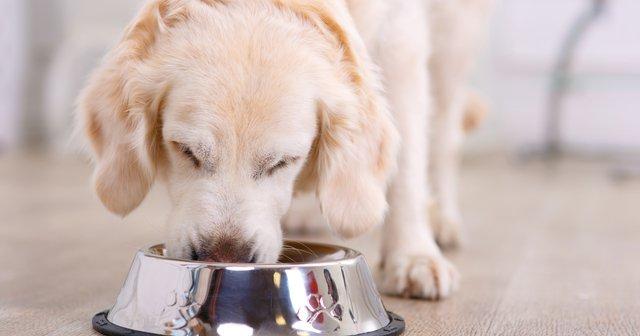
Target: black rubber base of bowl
x=102 y=325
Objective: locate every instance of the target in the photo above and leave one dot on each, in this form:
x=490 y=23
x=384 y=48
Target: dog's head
x=235 y=104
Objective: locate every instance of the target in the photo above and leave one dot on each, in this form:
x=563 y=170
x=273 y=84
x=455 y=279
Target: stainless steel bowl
x=317 y=289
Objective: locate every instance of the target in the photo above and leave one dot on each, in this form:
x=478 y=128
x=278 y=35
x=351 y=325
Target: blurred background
x=49 y=46
x=550 y=182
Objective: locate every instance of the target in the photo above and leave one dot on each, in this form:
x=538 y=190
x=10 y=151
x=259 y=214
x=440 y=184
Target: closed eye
x=284 y=163
x=280 y=165
x=187 y=153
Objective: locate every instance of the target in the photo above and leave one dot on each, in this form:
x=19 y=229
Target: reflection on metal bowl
x=319 y=290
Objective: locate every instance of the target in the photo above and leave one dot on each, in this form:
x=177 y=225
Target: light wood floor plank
x=549 y=251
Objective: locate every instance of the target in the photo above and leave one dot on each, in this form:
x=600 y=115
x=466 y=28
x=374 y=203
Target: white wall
x=601 y=111
x=90 y=27
x=48 y=47
x=11 y=69
x=514 y=71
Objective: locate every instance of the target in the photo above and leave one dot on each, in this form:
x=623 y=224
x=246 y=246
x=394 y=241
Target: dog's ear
x=119 y=111
x=355 y=152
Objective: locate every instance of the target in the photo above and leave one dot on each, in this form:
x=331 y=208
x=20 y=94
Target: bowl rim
x=351 y=257
x=103 y=325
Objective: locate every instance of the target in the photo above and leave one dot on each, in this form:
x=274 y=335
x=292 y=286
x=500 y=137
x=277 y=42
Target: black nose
x=225 y=250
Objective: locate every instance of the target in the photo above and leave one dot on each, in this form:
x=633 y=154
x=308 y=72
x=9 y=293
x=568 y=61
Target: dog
x=237 y=105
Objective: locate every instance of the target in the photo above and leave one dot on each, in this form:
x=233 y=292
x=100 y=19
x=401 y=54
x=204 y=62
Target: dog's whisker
x=292 y=249
x=289 y=258
x=309 y=250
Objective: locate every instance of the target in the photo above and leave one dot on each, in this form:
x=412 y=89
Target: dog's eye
x=284 y=163
x=280 y=165
x=188 y=153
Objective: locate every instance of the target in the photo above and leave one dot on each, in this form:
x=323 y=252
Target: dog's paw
x=447 y=229
x=300 y=225
x=448 y=234
x=419 y=277
x=304 y=216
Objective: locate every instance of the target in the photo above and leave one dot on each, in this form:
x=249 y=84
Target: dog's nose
x=226 y=250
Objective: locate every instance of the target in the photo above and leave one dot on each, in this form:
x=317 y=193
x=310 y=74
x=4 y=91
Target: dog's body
x=236 y=104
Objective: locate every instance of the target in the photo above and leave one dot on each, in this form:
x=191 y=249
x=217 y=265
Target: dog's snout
x=226 y=250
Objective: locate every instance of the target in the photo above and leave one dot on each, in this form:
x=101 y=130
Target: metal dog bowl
x=317 y=290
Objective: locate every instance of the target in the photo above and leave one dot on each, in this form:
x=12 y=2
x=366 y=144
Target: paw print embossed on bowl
x=327 y=292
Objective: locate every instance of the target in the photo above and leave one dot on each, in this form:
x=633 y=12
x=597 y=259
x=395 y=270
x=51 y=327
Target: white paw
x=304 y=216
x=447 y=228
x=448 y=234
x=420 y=277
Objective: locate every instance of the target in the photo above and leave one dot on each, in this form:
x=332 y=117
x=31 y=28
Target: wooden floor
x=551 y=251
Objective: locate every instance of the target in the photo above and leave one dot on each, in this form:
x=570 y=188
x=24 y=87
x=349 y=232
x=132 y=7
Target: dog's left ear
x=355 y=152
x=119 y=108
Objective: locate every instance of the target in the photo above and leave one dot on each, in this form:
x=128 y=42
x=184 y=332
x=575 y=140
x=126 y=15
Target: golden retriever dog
x=237 y=105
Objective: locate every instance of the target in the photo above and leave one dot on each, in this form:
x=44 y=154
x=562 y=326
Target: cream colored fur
x=236 y=104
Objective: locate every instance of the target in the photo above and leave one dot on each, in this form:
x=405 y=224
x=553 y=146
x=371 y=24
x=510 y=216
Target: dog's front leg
x=458 y=28
x=412 y=264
